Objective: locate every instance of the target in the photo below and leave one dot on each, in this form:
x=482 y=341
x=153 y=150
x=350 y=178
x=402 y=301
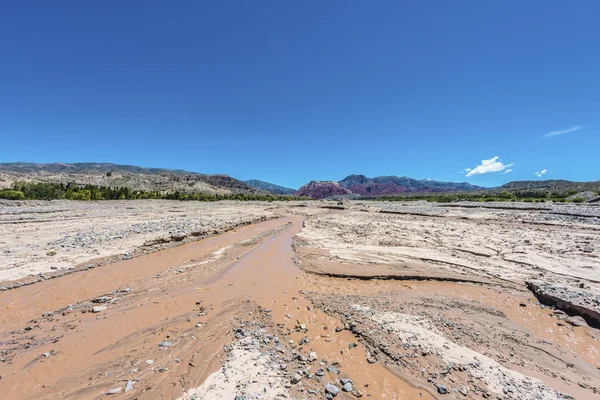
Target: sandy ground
x=424 y=302
x=42 y=237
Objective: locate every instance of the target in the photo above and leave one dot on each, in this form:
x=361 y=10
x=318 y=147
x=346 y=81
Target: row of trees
x=55 y=191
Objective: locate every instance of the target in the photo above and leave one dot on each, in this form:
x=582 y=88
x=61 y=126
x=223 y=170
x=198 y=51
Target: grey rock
x=97 y=309
x=114 y=391
x=296 y=378
x=129 y=386
x=576 y=321
x=164 y=343
x=332 y=389
x=442 y=389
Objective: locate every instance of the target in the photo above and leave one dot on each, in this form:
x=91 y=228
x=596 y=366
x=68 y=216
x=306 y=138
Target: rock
x=149 y=362
x=371 y=360
x=164 y=343
x=576 y=321
x=129 y=386
x=588 y=249
x=312 y=356
x=332 y=389
x=347 y=387
x=97 y=309
x=442 y=389
x=102 y=299
x=113 y=391
x=321 y=372
x=464 y=391
x=296 y=378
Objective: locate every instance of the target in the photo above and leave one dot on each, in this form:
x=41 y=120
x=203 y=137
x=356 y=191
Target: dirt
x=394 y=306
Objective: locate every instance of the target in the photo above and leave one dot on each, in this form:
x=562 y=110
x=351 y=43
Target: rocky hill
x=270 y=187
x=116 y=175
x=554 y=186
x=386 y=185
x=322 y=189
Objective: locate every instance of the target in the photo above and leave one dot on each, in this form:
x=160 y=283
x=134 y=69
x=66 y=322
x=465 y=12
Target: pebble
x=296 y=378
x=113 y=391
x=332 y=389
x=576 y=321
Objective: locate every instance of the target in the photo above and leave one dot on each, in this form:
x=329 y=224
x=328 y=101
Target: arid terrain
x=299 y=300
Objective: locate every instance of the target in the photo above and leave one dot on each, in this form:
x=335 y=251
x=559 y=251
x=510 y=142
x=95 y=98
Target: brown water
x=93 y=353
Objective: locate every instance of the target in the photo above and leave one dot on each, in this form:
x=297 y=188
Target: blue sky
x=289 y=91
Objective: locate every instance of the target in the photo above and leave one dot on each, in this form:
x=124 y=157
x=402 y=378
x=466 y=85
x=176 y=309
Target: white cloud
x=508 y=170
x=564 y=131
x=486 y=166
x=540 y=173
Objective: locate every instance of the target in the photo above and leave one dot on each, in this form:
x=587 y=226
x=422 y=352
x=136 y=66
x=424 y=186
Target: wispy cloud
x=540 y=173
x=491 y=165
x=564 y=131
x=508 y=171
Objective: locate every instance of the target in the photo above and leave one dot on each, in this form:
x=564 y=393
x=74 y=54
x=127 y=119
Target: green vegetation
x=528 y=196
x=55 y=191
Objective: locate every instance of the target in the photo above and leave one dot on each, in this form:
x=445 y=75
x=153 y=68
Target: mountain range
x=163 y=179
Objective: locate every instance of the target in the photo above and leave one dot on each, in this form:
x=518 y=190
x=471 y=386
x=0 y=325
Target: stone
x=347 y=387
x=97 y=309
x=464 y=391
x=149 y=362
x=296 y=378
x=129 y=386
x=102 y=299
x=442 y=389
x=164 y=343
x=576 y=321
x=312 y=356
x=113 y=391
x=332 y=389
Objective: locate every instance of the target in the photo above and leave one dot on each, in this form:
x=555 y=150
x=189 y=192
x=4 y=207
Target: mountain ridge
x=269 y=187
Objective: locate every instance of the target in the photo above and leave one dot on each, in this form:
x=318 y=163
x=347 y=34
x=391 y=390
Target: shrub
x=10 y=194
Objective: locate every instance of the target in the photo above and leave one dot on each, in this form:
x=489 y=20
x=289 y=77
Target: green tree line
x=55 y=191
x=529 y=196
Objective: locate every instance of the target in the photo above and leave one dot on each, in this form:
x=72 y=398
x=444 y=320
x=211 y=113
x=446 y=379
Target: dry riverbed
x=296 y=300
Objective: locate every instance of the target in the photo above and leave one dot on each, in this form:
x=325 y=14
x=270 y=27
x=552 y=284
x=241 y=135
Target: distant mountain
x=554 y=185
x=322 y=189
x=269 y=187
x=86 y=167
x=388 y=185
x=116 y=175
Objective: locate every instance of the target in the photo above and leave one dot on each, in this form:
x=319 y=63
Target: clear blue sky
x=289 y=91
